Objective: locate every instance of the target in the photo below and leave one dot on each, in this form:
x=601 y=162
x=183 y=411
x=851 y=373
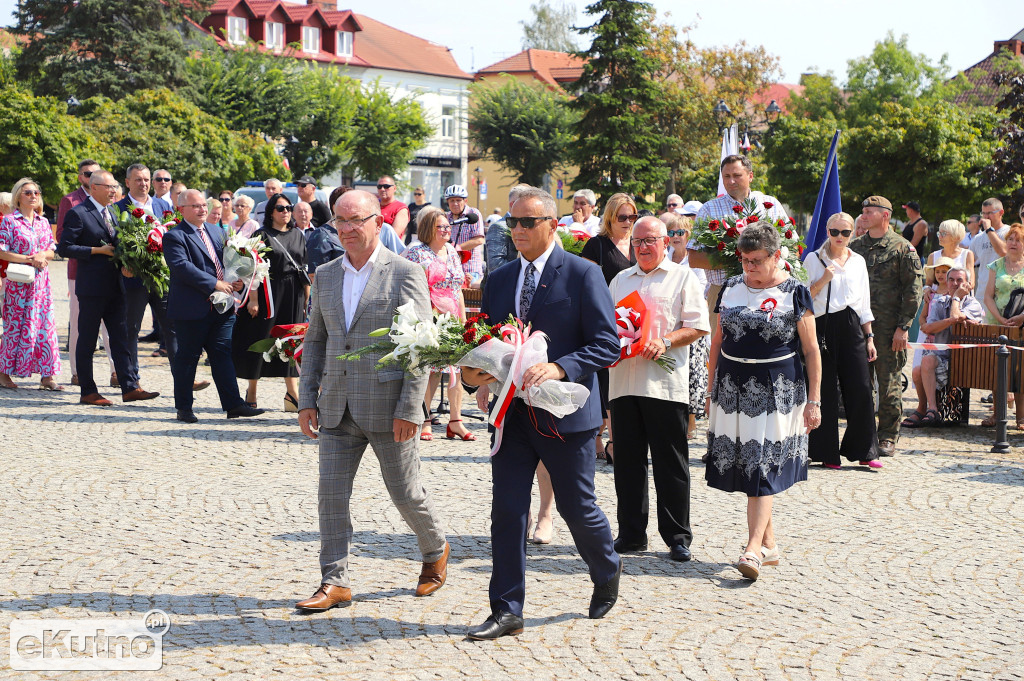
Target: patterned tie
x=529 y=288
x=109 y=221
x=209 y=249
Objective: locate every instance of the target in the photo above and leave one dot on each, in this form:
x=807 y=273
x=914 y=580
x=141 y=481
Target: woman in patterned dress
x=445 y=277
x=29 y=344
x=764 y=399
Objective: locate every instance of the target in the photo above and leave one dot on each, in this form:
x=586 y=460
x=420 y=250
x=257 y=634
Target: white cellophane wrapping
x=239 y=267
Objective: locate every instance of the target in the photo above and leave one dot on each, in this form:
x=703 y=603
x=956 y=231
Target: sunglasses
x=627 y=218
x=302 y=185
x=88 y=173
x=31 y=192
x=225 y=199
x=525 y=223
x=678 y=232
x=283 y=209
x=385 y=186
x=157 y=179
x=836 y=232
x=672 y=205
x=417 y=193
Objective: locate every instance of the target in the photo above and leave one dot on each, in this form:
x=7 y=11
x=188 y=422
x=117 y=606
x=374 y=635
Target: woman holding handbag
x=29 y=343
x=842 y=315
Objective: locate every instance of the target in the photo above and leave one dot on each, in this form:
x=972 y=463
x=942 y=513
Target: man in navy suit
x=194 y=254
x=90 y=237
x=565 y=297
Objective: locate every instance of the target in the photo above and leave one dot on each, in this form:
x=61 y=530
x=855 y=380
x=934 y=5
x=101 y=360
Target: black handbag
x=1015 y=305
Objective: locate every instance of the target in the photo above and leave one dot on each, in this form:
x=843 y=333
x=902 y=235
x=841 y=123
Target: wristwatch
x=905 y=327
x=667 y=342
x=869 y=335
x=990 y=229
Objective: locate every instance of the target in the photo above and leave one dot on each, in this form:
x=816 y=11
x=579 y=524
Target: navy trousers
x=138 y=298
x=570 y=461
x=213 y=334
x=110 y=310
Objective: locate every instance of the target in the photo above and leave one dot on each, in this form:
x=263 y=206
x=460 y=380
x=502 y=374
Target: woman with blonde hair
x=612 y=252
x=29 y=344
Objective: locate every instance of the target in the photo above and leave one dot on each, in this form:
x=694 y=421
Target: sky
x=819 y=35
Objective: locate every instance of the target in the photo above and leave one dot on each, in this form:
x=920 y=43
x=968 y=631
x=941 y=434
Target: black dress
x=609 y=258
x=288 y=289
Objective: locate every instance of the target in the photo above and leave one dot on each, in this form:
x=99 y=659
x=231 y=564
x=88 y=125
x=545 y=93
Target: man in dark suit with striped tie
x=565 y=297
x=90 y=237
x=194 y=254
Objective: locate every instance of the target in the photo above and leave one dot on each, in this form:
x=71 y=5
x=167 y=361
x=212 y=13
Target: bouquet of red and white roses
x=244 y=261
x=285 y=343
x=138 y=250
x=718 y=237
x=573 y=241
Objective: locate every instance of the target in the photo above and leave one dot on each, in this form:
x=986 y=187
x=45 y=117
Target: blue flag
x=828 y=203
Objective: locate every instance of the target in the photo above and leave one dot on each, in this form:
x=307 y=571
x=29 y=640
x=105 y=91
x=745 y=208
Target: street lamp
x=772 y=112
x=477 y=171
x=722 y=114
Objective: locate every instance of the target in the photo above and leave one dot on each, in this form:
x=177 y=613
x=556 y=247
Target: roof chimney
x=325 y=5
x=1014 y=46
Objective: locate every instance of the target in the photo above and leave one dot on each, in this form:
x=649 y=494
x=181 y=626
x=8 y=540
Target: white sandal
x=749 y=566
x=770 y=556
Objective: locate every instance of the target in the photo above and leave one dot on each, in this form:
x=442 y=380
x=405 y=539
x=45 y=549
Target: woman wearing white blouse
x=842 y=315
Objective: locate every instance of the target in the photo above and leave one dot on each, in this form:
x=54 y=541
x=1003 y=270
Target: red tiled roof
x=384 y=47
x=983 y=91
x=547 y=66
x=780 y=92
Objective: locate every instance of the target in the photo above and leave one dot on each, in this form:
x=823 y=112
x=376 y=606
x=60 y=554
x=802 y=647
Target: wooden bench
x=976 y=367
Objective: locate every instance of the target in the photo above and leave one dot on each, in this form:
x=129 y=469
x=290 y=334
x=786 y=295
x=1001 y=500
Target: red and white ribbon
x=959 y=346
x=516 y=337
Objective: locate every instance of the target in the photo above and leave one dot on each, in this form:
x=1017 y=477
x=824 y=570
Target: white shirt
x=590 y=226
x=675 y=298
x=538 y=263
x=984 y=255
x=146 y=205
x=850 y=287
x=354 y=283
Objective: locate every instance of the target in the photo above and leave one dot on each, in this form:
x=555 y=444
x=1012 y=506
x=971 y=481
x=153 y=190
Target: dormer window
x=238 y=30
x=274 y=33
x=345 y=43
x=310 y=39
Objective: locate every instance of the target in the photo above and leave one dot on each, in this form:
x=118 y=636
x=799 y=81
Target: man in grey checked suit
x=354 y=405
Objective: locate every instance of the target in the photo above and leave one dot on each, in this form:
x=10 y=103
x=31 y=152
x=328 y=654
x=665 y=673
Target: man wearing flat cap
x=895 y=280
x=306 y=188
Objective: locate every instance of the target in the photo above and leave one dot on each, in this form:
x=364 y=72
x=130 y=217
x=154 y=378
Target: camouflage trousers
x=888 y=371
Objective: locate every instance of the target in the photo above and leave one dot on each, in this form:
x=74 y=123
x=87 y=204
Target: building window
x=448 y=122
x=238 y=30
x=310 y=39
x=274 y=35
x=344 y=43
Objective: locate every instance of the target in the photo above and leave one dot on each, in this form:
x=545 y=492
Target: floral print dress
x=29 y=344
x=756 y=439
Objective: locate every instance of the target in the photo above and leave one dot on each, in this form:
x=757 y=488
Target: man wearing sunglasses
x=162 y=182
x=306 y=188
x=394 y=212
x=566 y=298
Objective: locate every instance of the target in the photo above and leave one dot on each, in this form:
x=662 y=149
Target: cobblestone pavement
x=911 y=572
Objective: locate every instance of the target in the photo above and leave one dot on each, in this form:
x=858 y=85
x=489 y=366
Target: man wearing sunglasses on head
x=566 y=298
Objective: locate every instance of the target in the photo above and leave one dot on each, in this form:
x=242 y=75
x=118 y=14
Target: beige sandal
x=749 y=566
x=770 y=556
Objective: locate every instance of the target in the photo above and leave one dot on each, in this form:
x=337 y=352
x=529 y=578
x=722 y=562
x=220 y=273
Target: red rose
x=469 y=335
x=732 y=232
x=780 y=222
x=168 y=213
x=150 y=219
x=737 y=209
x=713 y=225
x=496 y=330
x=138 y=212
x=752 y=219
x=481 y=316
x=792 y=221
x=484 y=338
x=768 y=204
x=799 y=249
x=789 y=234
x=721 y=245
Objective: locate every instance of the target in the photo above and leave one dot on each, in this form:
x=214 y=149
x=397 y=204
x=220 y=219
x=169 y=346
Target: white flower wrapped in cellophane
x=243 y=261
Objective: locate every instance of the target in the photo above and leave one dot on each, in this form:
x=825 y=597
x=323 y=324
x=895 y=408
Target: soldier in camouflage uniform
x=894 y=275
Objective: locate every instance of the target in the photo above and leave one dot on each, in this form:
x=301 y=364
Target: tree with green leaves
x=795 y=151
x=317 y=142
x=43 y=142
x=524 y=127
x=619 y=142
x=551 y=27
x=386 y=133
x=158 y=128
x=104 y=47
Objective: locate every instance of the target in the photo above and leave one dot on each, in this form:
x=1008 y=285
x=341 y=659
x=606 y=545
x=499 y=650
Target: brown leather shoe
x=325 y=598
x=137 y=395
x=114 y=383
x=434 y=574
x=200 y=385
x=74 y=380
x=95 y=399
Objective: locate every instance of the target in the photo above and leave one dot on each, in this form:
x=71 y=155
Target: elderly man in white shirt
x=583 y=218
x=649 y=405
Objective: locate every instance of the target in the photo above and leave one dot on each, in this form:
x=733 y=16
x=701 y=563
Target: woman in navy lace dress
x=766 y=393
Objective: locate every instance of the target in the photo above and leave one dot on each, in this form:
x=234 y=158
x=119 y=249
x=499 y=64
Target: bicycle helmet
x=456 y=190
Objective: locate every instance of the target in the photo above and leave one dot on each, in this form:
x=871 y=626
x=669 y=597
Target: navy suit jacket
x=159 y=206
x=85 y=228
x=193 y=273
x=573 y=306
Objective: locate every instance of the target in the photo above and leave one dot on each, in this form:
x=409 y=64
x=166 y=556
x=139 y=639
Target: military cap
x=877 y=202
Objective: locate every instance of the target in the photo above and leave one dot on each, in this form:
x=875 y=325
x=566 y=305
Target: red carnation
x=752 y=219
x=799 y=249
x=713 y=225
x=768 y=204
x=168 y=213
x=481 y=316
x=789 y=234
x=496 y=330
x=731 y=232
x=721 y=245
x=469 y=335
x=737 y=209
x=150 y=219
x=484 y=338
x=792 y=221
x=138 y=212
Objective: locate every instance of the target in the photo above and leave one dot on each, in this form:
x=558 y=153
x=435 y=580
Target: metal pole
x=1002 y=355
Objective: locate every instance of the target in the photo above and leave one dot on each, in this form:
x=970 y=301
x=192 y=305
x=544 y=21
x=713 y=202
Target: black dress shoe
x=605 y=596
x=243 y=410
x=680 y=553
x=623 y=546
x=186 y=416
x=150 y=337
x=497 y=625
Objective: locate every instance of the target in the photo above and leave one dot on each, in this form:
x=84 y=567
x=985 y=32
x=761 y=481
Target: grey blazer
x=374 y=398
